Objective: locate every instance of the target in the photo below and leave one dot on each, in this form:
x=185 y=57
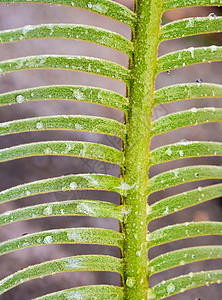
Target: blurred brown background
x=26 y=170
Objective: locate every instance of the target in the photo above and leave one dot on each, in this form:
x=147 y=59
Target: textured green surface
x=184 y=283
x=184 y=256
x=105 y=7
x=64 y=208
x=182 y=175
x=65 y=122
x=97 y=292
x=69 y=31
x=171 y=4
x=184 y=150
x=185 y=118
x=187 y=91
x=188 y=57
x=64 y=148
x=183 y=231
x=65 y=183
x=68 y=264
x=64 y=236
x=178 y=202
x=67 y=62
x=189 y=27
x=66 y=92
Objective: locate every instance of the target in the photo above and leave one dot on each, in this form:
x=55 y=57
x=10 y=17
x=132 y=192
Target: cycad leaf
x=64 y=208
x=64 y=236
x=190 y=26
x=178 y=202
x=97 y=292
x=171 y=4
x=68 y=264
x=64 y=148
x=182 y=257
x=69 y=31
x=105 y=7
x=182 y=175
x=65 y=122
x=184 y=283
x=67 y=62
x=186 y=118
x=188 y=57
x=184 y=150
x=182 y=231
x=187 y=91
x=65 y=183
x=65 y=92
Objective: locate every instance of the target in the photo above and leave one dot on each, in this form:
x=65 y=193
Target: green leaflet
x=182 y=257
x=190 y=26
x=185 y=118
x=188 y=57
x=67 y=62
x=98 y=292
x=187 y=91
x=105 y=7
x=66 y=92
x=65 y=122
x=65 y=183
x=182 y=175
x=64 y=236
x=68 y=264
x=64 y=208
x=64 y=148
x=184 y=150
x=182 y=231
x=178 y=202
x=171 y=4
x=69 y=31
x=184 y=283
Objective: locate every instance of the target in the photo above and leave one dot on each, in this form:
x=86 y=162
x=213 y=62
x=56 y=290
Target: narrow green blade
x=73 y=63
x=186 y=118
x=68 y=264
x=97 y=292
x=182 y=175
x=65 y=183
x=69 y=31
x=66 y=92
x=65 y=122
x=187 y=91
x=64 y=148
x=171 y=4
x=184 y=283
x=64 y=208
x=64 y=236
x=190 y=26
x=184 y=200
x=184 y=256
x=188 y=57
x=183 y=231
x=104 y=7
x=184 y=150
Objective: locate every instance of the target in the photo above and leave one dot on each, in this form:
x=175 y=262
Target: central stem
x=143 y=64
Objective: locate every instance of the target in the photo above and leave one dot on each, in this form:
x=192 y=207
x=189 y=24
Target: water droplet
x=170 y=288
x=47 y=239
x=20 y=99
x=199 y=80
x=130 y=281
x=73 y=186
x=212 y=16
